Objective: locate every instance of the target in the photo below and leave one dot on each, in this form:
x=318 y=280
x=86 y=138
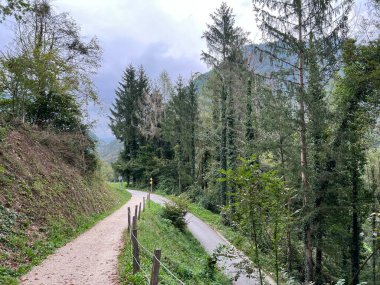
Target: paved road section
x=233 y=262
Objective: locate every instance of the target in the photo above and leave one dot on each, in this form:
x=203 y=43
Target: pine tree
x=288 y=25
x=193 y=122
x=318 y=126
x=179 y=130
x=224 y=42
x=249 y=128
x=126 y=113
x=356 y=97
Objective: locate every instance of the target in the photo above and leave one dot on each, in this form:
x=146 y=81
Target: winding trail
x=91 y=259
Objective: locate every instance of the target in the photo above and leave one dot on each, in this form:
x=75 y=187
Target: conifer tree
x=357 y=111
x=288 y=26
x=224 y=41
x=126 y=113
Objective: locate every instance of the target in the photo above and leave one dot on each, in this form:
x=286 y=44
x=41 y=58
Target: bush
x=175 y=212
x=3 y=133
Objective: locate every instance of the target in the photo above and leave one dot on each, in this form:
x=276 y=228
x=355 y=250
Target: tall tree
x=357 y=100
x=179 y=129
x=55 y=60
x=321 y=171
x=125 y=115
x=224 y=41
x=288 y=25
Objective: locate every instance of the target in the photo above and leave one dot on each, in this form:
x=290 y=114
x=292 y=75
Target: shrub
x=175 y=212
x=3 y=133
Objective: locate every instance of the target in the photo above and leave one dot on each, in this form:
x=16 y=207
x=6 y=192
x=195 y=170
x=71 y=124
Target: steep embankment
x=49 y=192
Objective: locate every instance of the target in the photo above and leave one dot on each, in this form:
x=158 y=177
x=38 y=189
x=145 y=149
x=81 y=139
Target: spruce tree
x=357 y=101
x=224 y=41
x=126 y=113
x=288 y=25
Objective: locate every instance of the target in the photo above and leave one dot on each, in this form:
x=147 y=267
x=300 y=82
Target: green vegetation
x=180 y=252
x=175 y=212
x=240 y=241
x=56 y=233
x=288 y=156
x=282 y=154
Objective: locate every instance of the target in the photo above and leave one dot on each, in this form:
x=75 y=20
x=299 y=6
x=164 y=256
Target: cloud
x=159 y=34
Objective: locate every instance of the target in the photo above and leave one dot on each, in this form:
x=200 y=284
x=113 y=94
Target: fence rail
x=136 y=245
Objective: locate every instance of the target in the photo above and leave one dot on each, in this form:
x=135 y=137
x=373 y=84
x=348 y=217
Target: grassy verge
x=180 y=252
x=233 y=236
x=58 y=233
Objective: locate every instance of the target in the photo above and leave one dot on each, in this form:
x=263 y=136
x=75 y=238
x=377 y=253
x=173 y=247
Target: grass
x=180 y=252
x=58 y=233
x=234 y=237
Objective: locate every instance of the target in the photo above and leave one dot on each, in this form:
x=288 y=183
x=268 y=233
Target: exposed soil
x=44 y=180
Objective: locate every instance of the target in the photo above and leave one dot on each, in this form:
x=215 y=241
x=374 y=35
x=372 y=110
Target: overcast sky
x=158 y=34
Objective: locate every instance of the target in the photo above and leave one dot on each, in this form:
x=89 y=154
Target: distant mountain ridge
x=109 y=152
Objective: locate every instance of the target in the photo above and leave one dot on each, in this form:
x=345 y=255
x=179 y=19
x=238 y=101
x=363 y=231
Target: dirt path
x=234 y=264
x=90 y=259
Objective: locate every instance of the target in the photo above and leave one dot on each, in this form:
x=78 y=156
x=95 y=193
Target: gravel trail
x=90 y=259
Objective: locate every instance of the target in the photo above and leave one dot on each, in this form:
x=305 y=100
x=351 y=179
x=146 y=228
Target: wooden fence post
x=143 y=204
x=136 y=210
x=129 y=219
x=155 y=267
x=136 y=252
x=139 y=210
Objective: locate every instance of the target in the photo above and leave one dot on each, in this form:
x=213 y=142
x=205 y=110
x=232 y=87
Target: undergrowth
x=234 y=237
x=181 y=253
x=25 y=249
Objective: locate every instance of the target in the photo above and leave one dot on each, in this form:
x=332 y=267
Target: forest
x=289 y=158
x=281 y=138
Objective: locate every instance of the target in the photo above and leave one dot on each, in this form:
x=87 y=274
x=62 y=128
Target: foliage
x=176 y=249
x=175 y=212
x=259 y=206
x=45 y=75
x=158 y=136
x=57 y=232
x=225 y=42
x=12 y=7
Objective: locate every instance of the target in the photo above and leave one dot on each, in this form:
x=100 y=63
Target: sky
x=158 y=34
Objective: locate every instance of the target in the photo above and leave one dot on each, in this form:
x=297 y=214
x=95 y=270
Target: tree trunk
x=289 y=253
x=223 y=145
x=257 y=255
x=374 y=229
x=355 y=246
x=308 y=244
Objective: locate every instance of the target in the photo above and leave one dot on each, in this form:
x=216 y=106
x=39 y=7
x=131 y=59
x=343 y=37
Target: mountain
x=109 y=152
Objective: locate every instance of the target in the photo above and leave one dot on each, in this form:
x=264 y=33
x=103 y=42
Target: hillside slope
x=49 y=192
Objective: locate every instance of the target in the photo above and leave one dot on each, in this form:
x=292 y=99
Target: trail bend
x=235 y=264
x=91 y=259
